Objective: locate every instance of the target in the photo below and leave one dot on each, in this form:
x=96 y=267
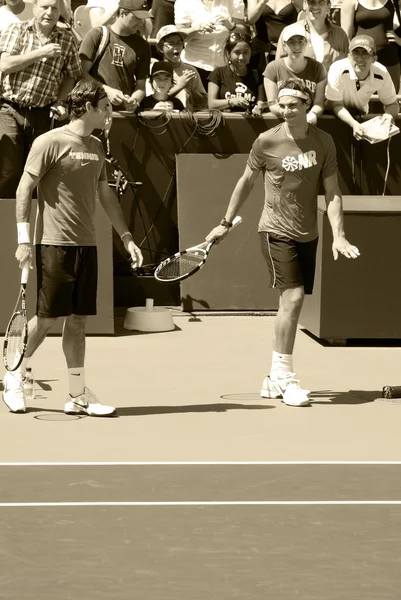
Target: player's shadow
x=352 y=397
x=43 y=384
x=139 y=411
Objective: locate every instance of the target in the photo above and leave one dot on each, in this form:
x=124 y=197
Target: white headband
x=290 y=92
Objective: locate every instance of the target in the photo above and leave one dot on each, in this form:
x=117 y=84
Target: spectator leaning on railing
x=353 y=80
x=39 y=65
x=123 y=66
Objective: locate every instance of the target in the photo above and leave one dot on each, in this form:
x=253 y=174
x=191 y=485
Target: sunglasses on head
x=239 y=37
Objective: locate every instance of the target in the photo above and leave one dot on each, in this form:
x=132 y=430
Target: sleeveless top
x=271 y=24
x=375 y=22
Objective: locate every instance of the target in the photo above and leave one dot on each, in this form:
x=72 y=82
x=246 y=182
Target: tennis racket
x=16 y=336
x=187 y=262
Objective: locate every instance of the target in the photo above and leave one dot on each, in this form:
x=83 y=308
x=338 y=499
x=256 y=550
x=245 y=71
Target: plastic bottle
x=29 y=385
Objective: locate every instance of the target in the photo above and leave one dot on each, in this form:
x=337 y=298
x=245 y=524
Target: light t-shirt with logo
x=293 y=171
x=70 y=168
x=313 y=73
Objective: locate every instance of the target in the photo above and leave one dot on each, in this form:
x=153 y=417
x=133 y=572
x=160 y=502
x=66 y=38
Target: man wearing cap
x=188 y=86
x=353 y=80
x=123 y=65
x=161 y=80
x=295 y=159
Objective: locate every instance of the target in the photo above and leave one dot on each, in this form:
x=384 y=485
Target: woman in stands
x=326 y=40
x=296 y=65
x=236 y=86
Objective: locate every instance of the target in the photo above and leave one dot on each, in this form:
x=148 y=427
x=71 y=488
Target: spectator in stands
x=161 y=80
x=326 y=41
x=163 y=14
x=39 y=65
x=207 y=25
x=123 y=66
x=270 y=17
x=296 y=64
x=236 y=86
x=375 y=18
x=14 y=11
x=188 y=86
x=353 y=80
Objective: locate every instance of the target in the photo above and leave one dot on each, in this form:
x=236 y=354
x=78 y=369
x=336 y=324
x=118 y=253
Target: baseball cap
x=162 y=66
x=138 y=7
x=294 y=29
x=363 y=41
x=168 y=30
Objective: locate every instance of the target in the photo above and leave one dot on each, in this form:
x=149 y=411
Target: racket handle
x=25 y=273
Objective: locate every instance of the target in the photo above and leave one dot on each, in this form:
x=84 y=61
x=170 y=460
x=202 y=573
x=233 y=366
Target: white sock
x=281 y=364
x=76 y=381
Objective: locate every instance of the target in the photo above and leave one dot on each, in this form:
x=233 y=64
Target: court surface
x=200 y=489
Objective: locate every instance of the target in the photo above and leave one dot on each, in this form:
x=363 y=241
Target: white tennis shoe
x=13 y=394
x=287 y=388
x=87 y=404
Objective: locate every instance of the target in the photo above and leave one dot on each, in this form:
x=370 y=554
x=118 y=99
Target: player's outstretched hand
x=136 y=255
x=341 y=246
x=218 y=234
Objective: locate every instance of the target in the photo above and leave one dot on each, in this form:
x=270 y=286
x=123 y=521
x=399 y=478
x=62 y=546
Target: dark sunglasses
x=234 y=38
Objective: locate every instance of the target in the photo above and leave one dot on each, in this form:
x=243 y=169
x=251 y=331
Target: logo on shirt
x=118 y=55
x=304 y=161
x=84 y=157
x=240 y=92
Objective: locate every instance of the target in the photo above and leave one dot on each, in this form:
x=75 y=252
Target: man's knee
x=291 y=299
x=76 y=322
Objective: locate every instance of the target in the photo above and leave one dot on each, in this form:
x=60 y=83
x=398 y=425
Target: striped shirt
x=38 y=84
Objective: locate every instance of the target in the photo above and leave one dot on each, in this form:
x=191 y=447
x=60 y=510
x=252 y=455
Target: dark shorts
x=291 y=264
x=66 y=280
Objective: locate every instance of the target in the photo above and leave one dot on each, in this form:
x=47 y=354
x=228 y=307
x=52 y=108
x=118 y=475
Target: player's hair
x=293 y=83
x=83 y=92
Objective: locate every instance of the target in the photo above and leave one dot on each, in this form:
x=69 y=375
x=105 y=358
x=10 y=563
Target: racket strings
x=181 y=265
x=15 y=339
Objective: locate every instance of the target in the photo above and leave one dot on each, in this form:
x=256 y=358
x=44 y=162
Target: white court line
x=188 y=463
x=212 y=503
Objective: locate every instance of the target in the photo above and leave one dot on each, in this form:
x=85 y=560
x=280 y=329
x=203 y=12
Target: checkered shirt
x=38 y=84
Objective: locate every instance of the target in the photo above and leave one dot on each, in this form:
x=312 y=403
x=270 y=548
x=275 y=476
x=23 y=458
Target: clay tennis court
x=199 y=488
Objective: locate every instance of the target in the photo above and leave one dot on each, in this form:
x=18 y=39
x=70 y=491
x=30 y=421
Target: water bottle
x=29 y=385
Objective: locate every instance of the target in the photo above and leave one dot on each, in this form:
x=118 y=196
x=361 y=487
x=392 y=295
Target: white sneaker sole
x=73 y=409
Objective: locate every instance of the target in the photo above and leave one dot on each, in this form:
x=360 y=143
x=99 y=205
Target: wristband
x=225 y=223
x=123 y=235
x=23 y=230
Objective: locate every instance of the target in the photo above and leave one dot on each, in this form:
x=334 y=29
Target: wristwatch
x=225 y=223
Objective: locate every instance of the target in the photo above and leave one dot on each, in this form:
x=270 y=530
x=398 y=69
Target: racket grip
x=25 y=273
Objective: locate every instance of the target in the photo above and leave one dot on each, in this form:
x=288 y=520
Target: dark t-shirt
x=313 y=73
x=150 y=101
x=234 y=86
x=125 y=60
x=293 y=171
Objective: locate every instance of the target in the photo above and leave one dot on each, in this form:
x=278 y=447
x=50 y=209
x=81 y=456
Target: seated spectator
x=39 y=65
x=102 y=12
x=326 y=41
x=236 y=86
x=161 y=80
x=207 y=25
x=123 y=66
x=353 y=80
x=14 y=11
x=188 y=86
x=297 y=65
